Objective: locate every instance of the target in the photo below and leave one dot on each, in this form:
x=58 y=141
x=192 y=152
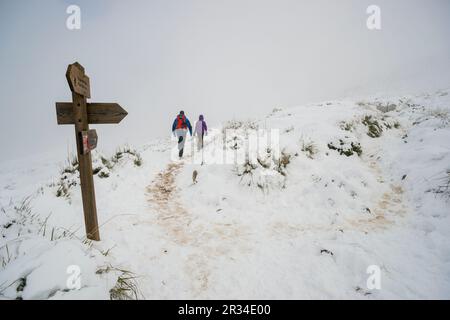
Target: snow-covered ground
x=353 y=185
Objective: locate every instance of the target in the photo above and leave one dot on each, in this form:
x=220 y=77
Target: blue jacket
x=188 y=124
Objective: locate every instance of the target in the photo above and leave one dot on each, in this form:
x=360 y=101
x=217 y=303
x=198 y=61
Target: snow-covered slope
x=353 y=184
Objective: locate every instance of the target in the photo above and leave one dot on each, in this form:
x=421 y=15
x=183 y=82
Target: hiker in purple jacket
x=200 y=131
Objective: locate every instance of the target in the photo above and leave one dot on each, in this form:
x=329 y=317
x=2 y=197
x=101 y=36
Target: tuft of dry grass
x=309 y=148
x=283 y=161
x=126 y=287
x=444 y=187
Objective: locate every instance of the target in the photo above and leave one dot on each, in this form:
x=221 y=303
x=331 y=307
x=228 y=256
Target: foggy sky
x=222 y=58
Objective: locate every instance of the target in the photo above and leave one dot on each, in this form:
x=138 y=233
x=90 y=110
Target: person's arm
x=189 y=126
x=205 y=128
x=174 y=125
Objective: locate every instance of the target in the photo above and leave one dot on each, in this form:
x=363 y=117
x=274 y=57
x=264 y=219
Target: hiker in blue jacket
x=179 y=129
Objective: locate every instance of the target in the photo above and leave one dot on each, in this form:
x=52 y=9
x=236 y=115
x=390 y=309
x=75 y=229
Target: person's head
x=200 y=117
x=181 y=113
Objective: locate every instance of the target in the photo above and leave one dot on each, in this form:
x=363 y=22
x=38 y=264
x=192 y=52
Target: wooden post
x=85 y=168
x=80 y=113
x=80 y=86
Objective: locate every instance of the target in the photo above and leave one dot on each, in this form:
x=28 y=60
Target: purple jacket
x=200 y=127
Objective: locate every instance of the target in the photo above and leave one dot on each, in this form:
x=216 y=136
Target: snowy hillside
x=353 y=184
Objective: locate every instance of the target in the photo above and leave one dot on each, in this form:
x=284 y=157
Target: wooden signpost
x=81 y=114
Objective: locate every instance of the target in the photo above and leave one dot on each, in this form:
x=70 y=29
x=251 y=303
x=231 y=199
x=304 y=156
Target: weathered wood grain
x=97 y=113
x=78 y=81
x=85 y=168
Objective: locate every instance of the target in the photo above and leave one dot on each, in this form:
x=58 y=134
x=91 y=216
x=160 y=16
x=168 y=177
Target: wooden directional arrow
x=97 y=113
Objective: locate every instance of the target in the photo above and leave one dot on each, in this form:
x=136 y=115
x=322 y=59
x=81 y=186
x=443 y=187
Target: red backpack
x=181 y=122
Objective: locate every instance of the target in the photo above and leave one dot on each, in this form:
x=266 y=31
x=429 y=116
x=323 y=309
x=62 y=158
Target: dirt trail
x=170 y=213
x=390 y=205
x=205 y=240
